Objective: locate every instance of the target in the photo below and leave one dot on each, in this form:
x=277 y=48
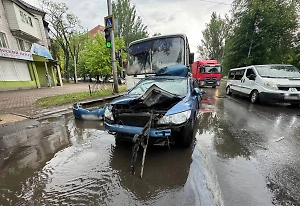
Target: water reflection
x=26 y=152
x=225 y=140
x=165 y=170
x=73 y=162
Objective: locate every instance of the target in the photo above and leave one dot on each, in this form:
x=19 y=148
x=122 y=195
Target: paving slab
x=20 y=104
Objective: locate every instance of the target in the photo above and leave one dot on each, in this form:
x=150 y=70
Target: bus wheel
x=254 y=96
x=228 y=91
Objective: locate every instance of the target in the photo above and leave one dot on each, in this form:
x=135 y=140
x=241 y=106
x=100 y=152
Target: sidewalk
x=19 y=105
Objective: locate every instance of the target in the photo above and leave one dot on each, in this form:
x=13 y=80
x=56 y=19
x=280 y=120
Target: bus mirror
x=191 y=58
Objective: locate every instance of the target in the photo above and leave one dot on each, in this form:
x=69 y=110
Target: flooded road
x=244 y=154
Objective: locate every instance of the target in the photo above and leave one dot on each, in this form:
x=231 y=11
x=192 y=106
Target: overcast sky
x=161 y=16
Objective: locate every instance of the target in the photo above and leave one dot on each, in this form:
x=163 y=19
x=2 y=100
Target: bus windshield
x=152 y=55
x=278 y=71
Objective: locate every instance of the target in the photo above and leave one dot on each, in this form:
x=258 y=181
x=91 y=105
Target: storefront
x=25 y=70
x=14 y=70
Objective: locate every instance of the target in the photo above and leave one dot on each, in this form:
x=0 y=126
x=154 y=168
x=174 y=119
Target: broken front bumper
x=132 y=130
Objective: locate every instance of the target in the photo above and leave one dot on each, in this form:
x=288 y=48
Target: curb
x=70 y=106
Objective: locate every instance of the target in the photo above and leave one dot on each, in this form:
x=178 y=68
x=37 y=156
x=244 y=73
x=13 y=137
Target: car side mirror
x=252 y=77
x=197 y=92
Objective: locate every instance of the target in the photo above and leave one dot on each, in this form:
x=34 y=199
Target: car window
x=278 y=71
x=231 y=75
x=239 y=74
x=249 y=72
x=174 y=86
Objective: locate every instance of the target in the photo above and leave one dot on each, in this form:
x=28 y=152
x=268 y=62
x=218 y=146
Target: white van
x=272 y=83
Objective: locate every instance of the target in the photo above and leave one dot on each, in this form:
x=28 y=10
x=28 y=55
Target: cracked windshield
x=134 y=102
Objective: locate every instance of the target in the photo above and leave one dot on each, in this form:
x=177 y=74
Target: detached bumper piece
x=132 y=130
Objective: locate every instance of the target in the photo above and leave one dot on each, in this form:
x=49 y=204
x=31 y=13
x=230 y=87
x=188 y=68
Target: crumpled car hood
x=154 y=97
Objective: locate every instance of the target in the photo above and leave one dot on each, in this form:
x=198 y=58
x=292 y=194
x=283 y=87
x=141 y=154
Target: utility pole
x=113 y=55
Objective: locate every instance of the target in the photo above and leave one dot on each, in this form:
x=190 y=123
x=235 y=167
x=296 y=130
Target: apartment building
x=25 y=60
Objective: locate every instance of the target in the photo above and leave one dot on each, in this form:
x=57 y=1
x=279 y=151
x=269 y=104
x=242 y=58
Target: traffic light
x=108 y=38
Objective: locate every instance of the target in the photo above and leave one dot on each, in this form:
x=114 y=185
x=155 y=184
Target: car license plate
x=292 y=97
x=210 y=82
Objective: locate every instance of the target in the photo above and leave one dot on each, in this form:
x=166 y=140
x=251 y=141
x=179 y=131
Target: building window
x=21 y=44
x=25 y=18
x=3 y=40
x=28 y=46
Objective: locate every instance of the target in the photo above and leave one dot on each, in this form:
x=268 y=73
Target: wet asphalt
x=243 y=154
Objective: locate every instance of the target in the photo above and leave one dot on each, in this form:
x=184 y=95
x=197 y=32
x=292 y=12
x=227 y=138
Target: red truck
x=207 y=72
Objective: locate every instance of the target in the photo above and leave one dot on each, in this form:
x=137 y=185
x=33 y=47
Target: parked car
x=172 y=101
x=273 y=83
x=111 y=80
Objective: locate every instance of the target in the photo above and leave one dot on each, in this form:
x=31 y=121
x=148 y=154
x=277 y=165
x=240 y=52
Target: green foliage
x=75 y=97
x=213 y=42
x=130 y=26
x=95 y=59
x=294 y=57
x=262 y=32
x=78 y=42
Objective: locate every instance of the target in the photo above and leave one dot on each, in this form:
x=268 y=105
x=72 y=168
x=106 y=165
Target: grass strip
x=62 y=99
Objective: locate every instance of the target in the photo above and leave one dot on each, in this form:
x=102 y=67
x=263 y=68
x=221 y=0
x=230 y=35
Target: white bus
x=146 y=56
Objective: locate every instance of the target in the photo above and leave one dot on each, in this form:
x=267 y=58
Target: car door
x=231 y=82
x=248 y=85
x=237 y=81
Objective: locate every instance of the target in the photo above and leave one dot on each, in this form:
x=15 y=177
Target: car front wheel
x=254 y=96
x=185 y=136
x=228 y=91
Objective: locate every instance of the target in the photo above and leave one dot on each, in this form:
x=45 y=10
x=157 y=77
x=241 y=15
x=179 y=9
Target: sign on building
x=15 y=54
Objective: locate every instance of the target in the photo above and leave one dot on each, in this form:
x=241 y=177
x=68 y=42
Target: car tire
x=294 y=104
x=228 y=91
x=185 y=136
x=254 y=97
x=214 y=87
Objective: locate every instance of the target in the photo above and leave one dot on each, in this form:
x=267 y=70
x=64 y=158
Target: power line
x=142 y=16
x=215 y=2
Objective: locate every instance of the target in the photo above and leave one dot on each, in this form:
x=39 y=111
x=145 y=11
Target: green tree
x=130 y=25
x=262 y=32
x=295 y=55
x=62 y=25
x=212 y=44
x=95 y=59
x=78 y=41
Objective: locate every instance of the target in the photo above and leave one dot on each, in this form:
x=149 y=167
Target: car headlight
x=108 y=114
x=178 y=118
x=271 y=85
